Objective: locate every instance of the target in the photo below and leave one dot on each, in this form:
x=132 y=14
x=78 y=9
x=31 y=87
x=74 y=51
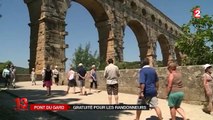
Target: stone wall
x=193 y=87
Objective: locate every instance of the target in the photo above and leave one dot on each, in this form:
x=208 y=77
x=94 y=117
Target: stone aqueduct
x=47 y=23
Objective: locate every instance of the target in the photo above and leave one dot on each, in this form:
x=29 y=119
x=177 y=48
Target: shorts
x=151 y=101
x=72 y=83
x=48 y=83
x=81 y=83
x=112 y=89
x=175 y=99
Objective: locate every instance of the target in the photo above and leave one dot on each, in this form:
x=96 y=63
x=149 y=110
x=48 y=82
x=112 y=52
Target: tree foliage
x=196 y=42
x=85 y=56
x=3 y=65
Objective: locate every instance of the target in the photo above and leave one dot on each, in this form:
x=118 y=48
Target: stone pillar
x=33 y=44
x=106 y=41
x=51 y=44
x=34 y=8
x=118 y=42
x=172 y=55
x=151 y=54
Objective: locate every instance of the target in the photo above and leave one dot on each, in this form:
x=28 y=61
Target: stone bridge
x=47 y=25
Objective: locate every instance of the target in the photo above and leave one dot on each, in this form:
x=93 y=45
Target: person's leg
x=153 y=101
x=173 y=113
x=50 y=90
x=91 y=85
x=109 y=92
x=96 y=86
x=81 y=87
x=68 y=89
x=115 y=92
x=110 y=99
x=6 y=82
x=181 y=112
x=13 y=82
x=179 y=98
x=138 y=114
x=84 y=88
x=158 y=112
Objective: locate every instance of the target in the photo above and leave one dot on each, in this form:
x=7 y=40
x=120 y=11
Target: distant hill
x=19 y=70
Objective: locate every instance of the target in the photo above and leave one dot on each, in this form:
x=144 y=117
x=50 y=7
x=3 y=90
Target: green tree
x=3 y=65
x=196 y=42
x=85 y=56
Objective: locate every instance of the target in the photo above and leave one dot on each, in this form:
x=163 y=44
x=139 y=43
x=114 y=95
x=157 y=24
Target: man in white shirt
x=6 y=74
x=111 y=74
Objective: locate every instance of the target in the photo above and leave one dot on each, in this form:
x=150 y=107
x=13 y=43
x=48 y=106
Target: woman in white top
x=71 y=80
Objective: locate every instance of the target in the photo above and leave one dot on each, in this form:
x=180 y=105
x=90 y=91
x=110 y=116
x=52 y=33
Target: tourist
x=81 y=79
x=71 y=80
x=13 y=75
x=48 y=79
x=111 y=74
x=33 y=76
x=6 y=74
x=148 y=85
x=93 y=78
x=208 y=86
x=56 y=75
x=174 y=91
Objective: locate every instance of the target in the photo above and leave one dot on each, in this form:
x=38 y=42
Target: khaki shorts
x=151 y=101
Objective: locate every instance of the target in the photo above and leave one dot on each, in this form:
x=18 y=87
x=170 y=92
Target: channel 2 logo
x=196 y=13
x=21 y=104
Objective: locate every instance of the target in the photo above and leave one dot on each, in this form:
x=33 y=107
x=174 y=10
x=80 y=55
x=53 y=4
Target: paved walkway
x=37 y=94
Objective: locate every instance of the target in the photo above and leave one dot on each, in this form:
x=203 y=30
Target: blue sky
x=15 y=32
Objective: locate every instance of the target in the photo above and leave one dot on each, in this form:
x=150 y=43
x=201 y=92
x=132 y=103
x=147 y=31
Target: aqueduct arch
x=47 y=23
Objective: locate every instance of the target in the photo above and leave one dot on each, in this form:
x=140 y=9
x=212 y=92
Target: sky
x=15 y=32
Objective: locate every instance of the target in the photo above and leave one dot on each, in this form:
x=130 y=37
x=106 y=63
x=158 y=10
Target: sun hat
x=206 y=66
x=93 y=66
x=80 y=64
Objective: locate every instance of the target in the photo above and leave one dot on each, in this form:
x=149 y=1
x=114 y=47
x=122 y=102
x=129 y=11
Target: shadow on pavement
x=152 y=118
x=39 y=96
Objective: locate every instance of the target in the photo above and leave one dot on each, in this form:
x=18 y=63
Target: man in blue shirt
x=148 y=81
x=82 y=73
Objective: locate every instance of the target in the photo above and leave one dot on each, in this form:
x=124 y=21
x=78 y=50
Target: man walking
x=148 y=81
x=111 y=74
x=81 y=78
x=6 y=74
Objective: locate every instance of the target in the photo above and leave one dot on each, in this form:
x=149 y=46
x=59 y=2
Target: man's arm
x=142 y=83
x=169 y=87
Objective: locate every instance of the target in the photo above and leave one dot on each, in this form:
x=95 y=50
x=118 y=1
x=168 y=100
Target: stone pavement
x=37 y=94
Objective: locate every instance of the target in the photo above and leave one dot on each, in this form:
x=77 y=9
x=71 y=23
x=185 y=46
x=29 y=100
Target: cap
x=206 y=66
x=80 y=64
x=56 y=66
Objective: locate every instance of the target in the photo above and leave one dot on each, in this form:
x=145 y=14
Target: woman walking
x=175 y=92
x=48 y=79
x=208 y=86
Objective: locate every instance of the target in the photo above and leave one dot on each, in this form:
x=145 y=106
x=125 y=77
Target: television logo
x=196 y=13
x=21 y=104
